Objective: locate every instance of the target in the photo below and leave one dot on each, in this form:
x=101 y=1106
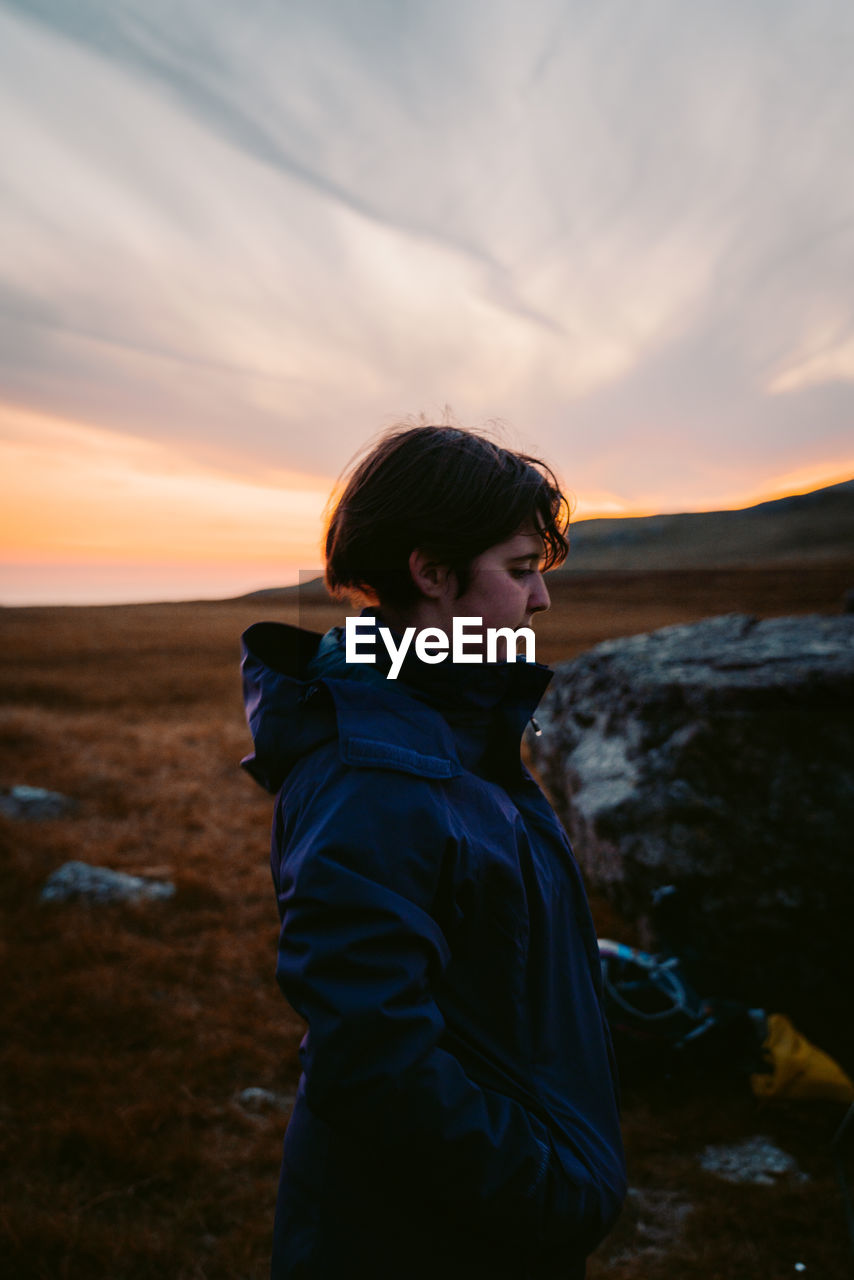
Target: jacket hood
x=434 y=720
x=274 y=666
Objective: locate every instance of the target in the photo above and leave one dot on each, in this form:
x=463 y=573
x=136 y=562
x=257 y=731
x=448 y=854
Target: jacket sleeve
x=361 y=955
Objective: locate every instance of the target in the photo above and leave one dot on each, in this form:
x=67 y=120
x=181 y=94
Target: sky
x=237 y=241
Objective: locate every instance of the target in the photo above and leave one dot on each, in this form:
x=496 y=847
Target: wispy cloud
x=256 y=235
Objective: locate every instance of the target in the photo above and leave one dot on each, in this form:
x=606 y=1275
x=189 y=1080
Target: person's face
x=505 y=586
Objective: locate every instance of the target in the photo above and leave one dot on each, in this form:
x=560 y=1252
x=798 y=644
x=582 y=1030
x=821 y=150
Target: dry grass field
x=129 y=1032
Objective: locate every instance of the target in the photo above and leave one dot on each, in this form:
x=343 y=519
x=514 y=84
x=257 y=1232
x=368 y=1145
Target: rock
x=80 y=880
x=256 y=1100
x=705 y=775
x=756 y=1161
x=33 y=802
x=651 y=1224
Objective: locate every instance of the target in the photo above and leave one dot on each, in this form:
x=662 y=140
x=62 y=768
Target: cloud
x=834 y=361
x=259 y=234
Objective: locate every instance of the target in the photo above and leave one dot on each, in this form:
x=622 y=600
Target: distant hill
x=311 y=592
x=809 y=528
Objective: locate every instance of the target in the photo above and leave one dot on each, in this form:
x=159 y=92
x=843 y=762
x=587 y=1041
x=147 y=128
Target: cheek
x=508 y=605
x=498 y=598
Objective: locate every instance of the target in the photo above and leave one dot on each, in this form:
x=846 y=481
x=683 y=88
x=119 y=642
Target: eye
x=522 y=573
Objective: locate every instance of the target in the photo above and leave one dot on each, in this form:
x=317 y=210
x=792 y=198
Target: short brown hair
x=450 y=492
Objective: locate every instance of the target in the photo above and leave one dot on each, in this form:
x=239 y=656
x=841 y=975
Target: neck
x=423 y=613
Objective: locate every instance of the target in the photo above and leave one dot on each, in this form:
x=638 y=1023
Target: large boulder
x=705 y=775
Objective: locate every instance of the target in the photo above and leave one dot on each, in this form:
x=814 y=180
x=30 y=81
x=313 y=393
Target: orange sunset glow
x=107 y=513
x=94 y=516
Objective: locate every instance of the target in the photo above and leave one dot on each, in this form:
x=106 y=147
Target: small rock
x=256 y=1100
x=99 y=884
x=757 y=1161
x=34 y=803
x=652 y=1222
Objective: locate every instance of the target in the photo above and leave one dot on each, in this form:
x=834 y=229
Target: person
x=457 y=1112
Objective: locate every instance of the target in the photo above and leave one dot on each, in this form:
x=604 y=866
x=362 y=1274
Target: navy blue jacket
x=457 y=1112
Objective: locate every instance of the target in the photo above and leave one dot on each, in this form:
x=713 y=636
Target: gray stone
x=705 y=775
x=80 y=880
x=34 y=803
x=756 y=1161
x=257 y=1100
x=652 y=1223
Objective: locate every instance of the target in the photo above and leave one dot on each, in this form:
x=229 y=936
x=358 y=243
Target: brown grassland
x=129 y=1032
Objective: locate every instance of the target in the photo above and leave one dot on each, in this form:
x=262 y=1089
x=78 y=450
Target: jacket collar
x=434 y=720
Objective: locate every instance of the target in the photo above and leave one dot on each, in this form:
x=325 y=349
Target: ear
x=432 y=578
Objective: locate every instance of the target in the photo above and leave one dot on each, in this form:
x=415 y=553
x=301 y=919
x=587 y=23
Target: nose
x=539 y=599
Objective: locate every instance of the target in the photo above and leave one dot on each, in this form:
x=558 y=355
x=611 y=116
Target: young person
x=456 y=1117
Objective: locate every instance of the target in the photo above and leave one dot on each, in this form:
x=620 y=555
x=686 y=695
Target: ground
x=129 y=1033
